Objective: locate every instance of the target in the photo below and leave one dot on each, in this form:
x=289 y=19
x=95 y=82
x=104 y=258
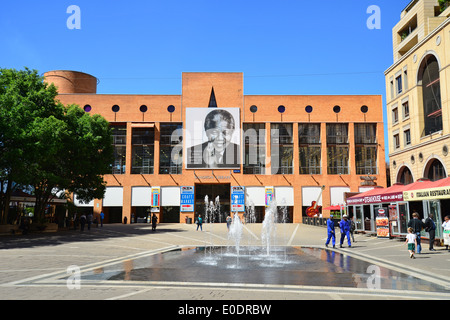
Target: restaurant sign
x=376 y=198
x=427 y=194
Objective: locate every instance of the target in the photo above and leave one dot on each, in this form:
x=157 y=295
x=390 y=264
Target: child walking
x=411 y=240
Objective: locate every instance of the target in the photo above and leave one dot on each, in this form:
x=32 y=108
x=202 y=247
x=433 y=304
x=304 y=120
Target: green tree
x=24 y=97
x=47 y=145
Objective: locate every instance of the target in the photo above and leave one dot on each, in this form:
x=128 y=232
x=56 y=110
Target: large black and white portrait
x=212 y=138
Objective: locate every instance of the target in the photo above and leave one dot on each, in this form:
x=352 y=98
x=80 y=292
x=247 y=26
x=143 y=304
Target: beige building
x=417 y=93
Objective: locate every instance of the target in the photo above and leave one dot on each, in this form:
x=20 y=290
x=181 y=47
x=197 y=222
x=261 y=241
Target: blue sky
x=142 y=47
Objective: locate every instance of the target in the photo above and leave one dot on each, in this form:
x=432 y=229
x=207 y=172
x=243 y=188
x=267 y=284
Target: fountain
x=258 y=264
x=269 y=226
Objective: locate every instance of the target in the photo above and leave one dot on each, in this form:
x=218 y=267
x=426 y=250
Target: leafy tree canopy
x=47 y=145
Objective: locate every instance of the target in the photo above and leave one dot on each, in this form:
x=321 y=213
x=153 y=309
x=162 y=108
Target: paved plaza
x=38 y=266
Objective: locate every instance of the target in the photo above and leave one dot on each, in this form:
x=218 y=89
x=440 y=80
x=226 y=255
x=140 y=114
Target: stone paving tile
x=37 y=255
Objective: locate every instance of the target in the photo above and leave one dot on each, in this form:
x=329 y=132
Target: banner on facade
x=156 y=197
x=212 y=138
x=187 y=199
x=238 y=199
x=270 y=195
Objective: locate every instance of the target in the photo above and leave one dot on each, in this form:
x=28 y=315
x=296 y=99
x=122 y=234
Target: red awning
x=334 y=208
x=365 y=196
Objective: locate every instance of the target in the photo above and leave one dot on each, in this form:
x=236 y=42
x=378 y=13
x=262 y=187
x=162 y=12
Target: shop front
x=367 y=206
x=430 y=198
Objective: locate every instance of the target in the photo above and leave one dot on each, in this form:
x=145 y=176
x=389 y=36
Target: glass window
x=142 y=151
x=431 y=92
x=396 y=141
x=394 y=115
x=254 y=148
x=337 y=148
x=282 y=148
x=337 y=133
x=310 y=150
x=338 y=159
x=119 y=134
x=171 y=148
x=405 y=106
x=366 y=148
x=398 y=83
x=407 y=137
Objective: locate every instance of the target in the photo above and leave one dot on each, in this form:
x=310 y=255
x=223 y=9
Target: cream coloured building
x=418 y=93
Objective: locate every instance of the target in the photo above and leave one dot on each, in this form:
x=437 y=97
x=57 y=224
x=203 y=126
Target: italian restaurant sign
x=427 y=194
x=377 y=198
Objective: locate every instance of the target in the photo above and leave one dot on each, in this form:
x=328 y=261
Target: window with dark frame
x=171 y=148
x=310 y=149
x=337 y=148
x=366 y=148
x=119 y=134
x=282 y=148
x=142 y=151
x=254 y=148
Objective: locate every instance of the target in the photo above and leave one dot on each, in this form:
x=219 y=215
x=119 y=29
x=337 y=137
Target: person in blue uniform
x=345 y=226
x=331 y=233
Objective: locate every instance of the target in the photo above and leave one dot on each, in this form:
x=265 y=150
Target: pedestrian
x=90 y=218
x=229 y=220
x=430 y=227
x=411 y=240
x=154 y=221
x=199 y=222
x=82 y=221
x=417 y=225
x=446 y=226
x=352 y=228
x=331 y=232
x=75 y=221
x=344 y=225
x=102 y=216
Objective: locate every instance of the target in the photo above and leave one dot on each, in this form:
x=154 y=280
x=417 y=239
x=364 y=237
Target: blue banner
x=238 y=199
x=187 y=199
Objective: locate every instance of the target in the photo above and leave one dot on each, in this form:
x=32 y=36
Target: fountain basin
x=301 y=266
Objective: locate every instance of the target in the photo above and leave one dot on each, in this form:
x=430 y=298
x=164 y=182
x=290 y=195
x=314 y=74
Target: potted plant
x=444 y=4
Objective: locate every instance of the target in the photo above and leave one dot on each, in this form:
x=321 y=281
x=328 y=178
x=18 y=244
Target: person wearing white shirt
x=446 y=226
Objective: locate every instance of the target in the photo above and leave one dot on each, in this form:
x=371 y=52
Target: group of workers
x=347 y=227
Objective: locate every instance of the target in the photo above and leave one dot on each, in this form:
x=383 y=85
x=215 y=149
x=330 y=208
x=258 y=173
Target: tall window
x=337 y=149
x=431 y=92
x=143 y=150
x=254 y=148
x=405 y=106
x=309 y=148
x=366 y=148
x=171 y=148
x=398 y=84
x=119 y=133
x=436 y=171
x=282 y=148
